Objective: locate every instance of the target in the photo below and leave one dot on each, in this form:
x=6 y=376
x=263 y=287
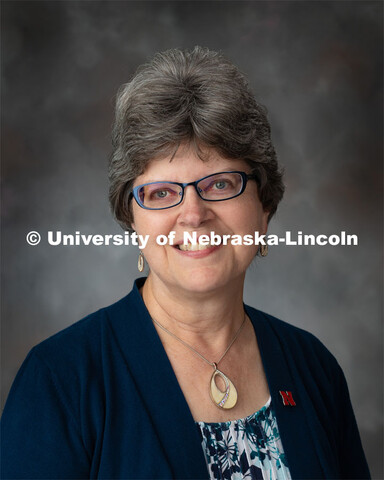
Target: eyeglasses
x=212 y=188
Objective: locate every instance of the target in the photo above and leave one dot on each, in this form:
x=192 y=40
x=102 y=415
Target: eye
x=164 y=192
x=160 y=193
x=220 y=184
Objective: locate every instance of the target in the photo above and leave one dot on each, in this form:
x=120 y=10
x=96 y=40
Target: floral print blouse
x=248 y=448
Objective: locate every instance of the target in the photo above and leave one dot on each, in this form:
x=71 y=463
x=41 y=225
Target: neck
x=205 y=321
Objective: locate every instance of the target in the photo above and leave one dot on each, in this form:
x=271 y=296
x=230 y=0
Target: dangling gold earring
x=263 y=250
x=140 y=262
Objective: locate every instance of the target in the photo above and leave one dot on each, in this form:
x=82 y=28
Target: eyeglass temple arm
x=254 y=176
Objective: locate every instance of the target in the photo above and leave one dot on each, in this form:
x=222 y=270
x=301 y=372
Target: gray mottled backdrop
x=315 y=65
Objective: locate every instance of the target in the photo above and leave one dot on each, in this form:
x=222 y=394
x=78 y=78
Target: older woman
x=179 y=379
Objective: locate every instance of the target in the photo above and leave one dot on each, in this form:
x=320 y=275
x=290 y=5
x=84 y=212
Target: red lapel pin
x=287 y=398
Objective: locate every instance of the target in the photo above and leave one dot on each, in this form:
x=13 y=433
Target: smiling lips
x=195 y=246
x=189 y=247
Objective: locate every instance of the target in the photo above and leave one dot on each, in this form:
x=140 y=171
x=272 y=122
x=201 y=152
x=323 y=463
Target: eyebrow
x=200 y=178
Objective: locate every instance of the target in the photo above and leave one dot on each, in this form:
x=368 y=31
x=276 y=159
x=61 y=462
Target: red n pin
x=287 y=398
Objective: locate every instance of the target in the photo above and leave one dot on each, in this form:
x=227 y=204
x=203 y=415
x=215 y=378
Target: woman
x=179 y=379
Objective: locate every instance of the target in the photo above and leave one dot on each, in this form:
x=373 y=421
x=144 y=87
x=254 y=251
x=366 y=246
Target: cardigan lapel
x=158 y=386
x=302 y=436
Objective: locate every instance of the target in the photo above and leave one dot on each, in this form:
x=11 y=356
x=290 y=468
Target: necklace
x=223 y=399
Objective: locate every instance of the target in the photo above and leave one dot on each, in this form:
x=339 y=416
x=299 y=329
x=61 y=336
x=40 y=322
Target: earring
x=263 y=250
x=140 y=262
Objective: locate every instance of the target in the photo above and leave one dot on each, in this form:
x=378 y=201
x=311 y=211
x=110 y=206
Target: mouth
x=189 y=247
x=200 y=248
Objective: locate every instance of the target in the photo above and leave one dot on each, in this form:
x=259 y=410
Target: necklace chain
x=213 y=364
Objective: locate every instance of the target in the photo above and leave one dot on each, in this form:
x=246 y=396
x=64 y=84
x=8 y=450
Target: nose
x=193 y=210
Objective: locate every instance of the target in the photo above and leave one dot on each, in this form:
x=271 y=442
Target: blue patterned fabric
x=247 y=448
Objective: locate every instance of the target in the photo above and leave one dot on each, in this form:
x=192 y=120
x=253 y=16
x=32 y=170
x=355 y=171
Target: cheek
x=260 y=217
x=141 y=220
x=254 y=211
x=249 y=220
x=263 y=222
x=151 y=223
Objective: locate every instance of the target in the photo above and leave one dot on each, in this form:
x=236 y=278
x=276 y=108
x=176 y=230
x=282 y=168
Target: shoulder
x=297 y=344
x=77 y=337
x=80 y=347
x=70 y=368
x=292 y=352
x=81 y=351
x=283 y=329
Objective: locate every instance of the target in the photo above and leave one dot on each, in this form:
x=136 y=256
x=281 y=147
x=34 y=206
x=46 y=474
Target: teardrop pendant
x=226 y=399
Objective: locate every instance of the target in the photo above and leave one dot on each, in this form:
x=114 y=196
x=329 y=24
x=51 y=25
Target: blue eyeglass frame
x=245 y=177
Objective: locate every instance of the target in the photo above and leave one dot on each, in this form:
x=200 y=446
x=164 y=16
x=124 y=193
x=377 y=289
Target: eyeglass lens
x=220 y=186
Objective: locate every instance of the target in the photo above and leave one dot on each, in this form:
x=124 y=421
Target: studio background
x=317 y=68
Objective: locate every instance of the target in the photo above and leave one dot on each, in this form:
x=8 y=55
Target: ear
x=264 y=221
x=131 y=217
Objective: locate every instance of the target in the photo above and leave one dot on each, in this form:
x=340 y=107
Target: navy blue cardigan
x=100 y=400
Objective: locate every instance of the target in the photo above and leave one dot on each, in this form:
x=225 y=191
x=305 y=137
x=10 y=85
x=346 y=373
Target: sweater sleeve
x=353 y=464
x=40 y=436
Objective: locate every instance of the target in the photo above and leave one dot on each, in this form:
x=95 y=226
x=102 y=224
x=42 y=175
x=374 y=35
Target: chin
x=203 y=281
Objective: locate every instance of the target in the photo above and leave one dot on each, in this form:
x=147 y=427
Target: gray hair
x=198 y=97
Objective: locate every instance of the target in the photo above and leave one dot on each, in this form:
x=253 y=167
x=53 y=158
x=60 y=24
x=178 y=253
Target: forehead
x=186 y=166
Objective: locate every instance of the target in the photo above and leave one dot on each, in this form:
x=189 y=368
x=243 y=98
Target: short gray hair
x=198 y=97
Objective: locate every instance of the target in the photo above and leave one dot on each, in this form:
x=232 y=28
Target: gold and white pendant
x=226 y=399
